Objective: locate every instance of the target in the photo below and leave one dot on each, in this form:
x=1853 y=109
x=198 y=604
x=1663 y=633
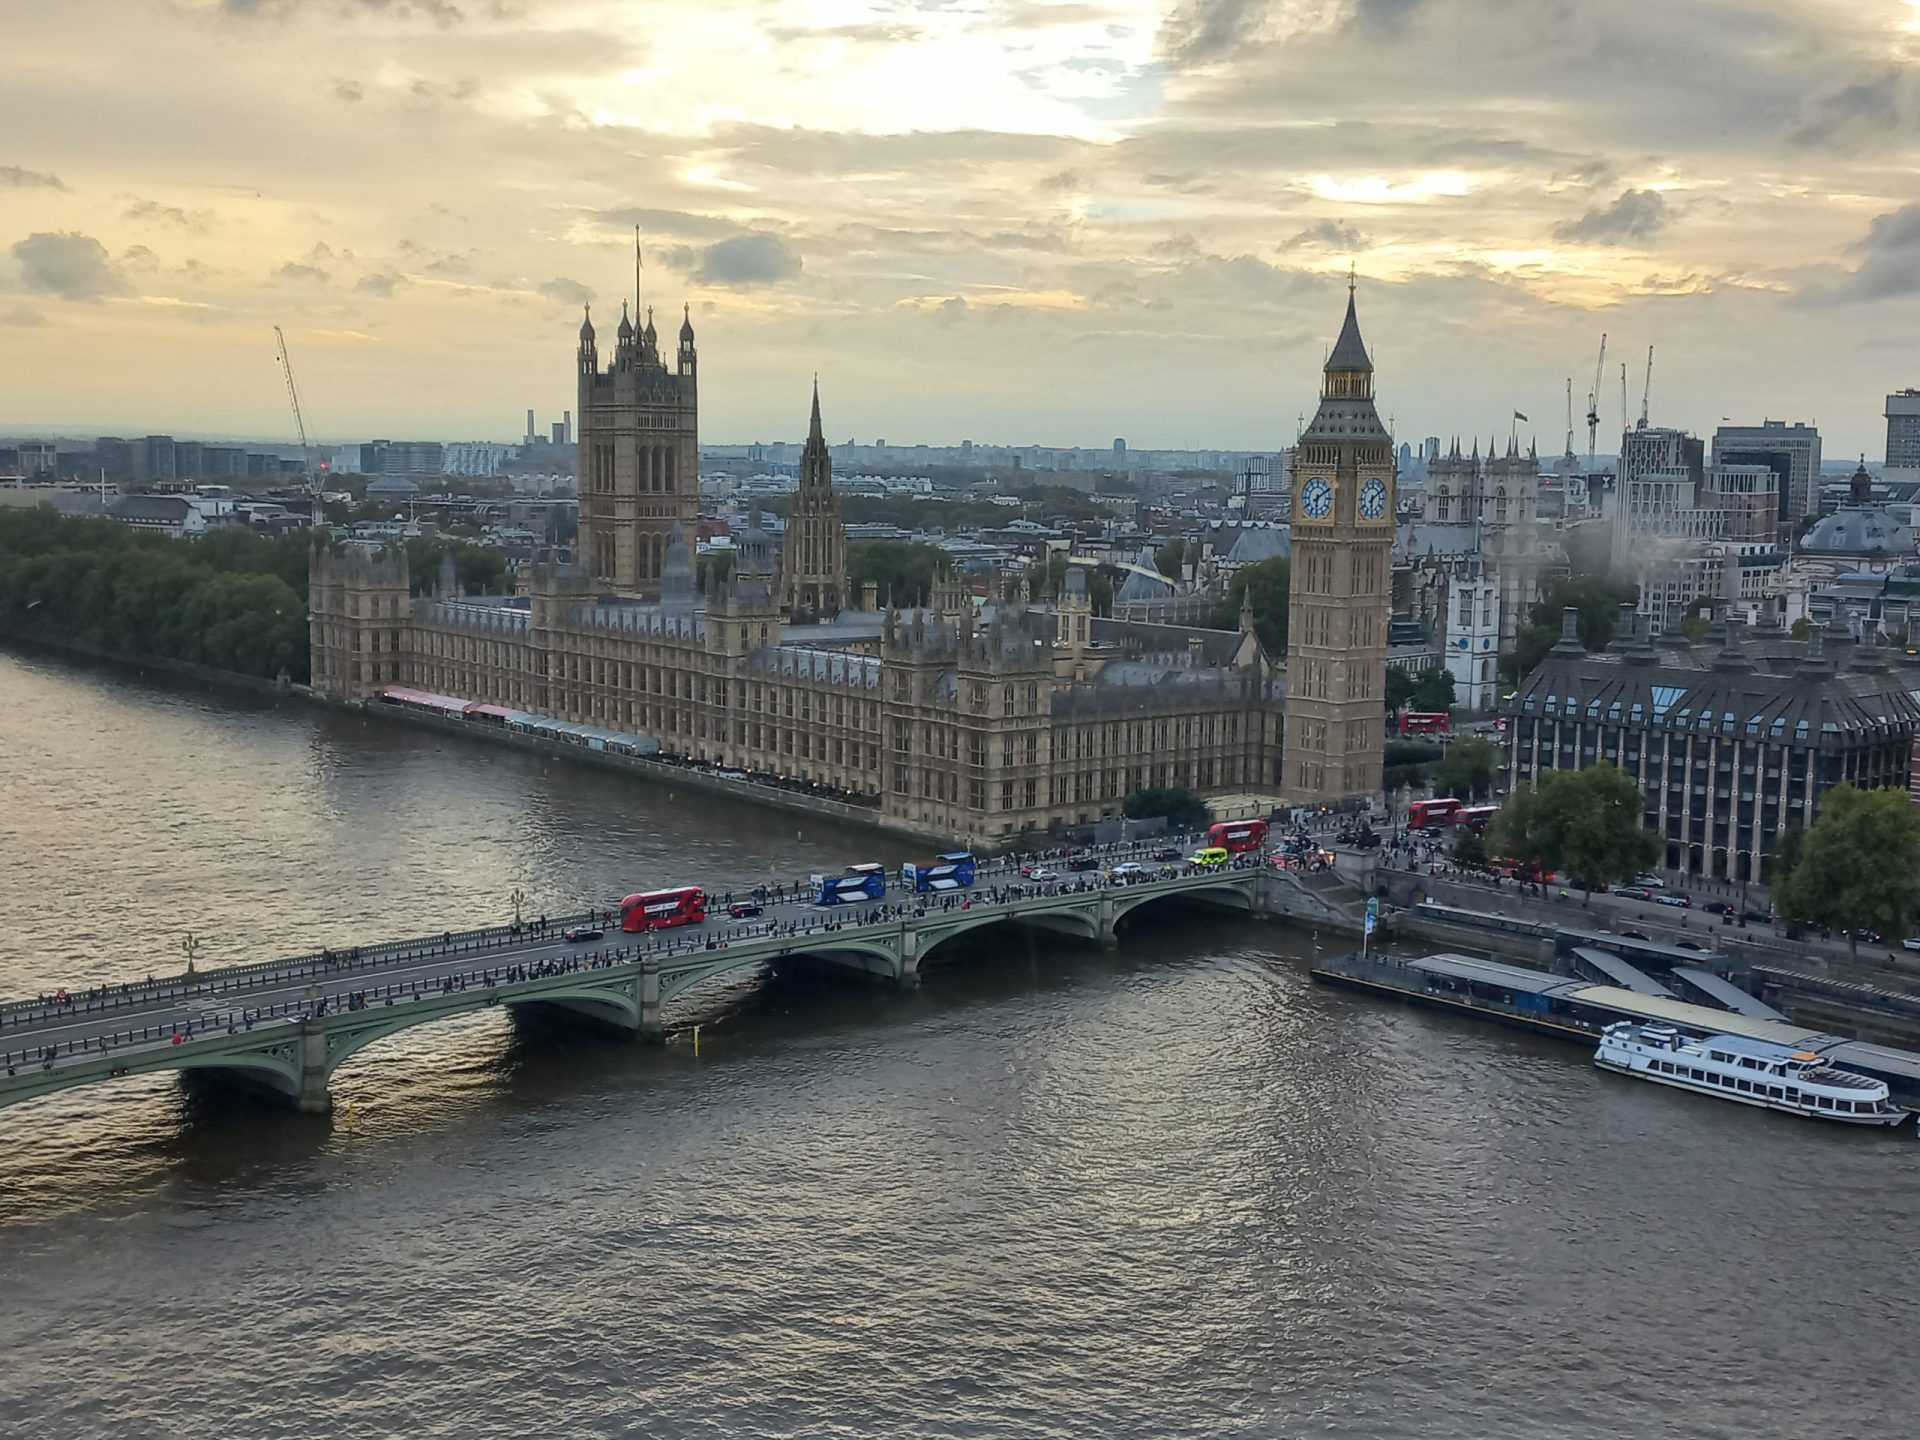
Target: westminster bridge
x=284 y=1026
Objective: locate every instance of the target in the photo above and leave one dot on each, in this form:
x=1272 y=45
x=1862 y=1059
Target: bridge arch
x=1236 y=898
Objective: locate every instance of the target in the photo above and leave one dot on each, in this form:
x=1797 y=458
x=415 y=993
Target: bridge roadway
x=283 y=1026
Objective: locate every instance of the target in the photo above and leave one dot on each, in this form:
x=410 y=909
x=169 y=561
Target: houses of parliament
x=980 y=722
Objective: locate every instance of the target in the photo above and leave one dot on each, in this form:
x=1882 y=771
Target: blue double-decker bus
x=854 y=884
x=952 y=871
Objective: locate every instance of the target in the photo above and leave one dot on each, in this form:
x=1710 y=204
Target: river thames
x=1172 y=1190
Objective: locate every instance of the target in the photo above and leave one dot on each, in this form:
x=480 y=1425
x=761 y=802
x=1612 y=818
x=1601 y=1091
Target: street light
x=519 y=899
x=190 y=947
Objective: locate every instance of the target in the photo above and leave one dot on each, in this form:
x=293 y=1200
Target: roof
x=1859 y=530
x=1260 y=542
x=1619 y=971
x=1493 y=972
x=1726 y=993
x=1349 y=351
x=170 y=508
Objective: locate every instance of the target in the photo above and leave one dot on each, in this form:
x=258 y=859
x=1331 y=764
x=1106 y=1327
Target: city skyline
x=1113 y=218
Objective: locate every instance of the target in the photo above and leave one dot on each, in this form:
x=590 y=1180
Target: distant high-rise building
x=189 y=460
x=639 y=454
x=153 y=458
x=1430 y=448
x=1903 y=436
x=114 y=456
x=533 y=431
x=566 y=427
x=559 y=432
x=1119 y=446
x=1798 y=444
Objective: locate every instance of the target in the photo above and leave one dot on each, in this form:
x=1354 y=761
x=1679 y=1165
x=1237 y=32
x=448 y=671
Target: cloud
x=1201 y=31
x=19 y=179
x=139 y=257
x=349 y=91
x=24 y=316
x=441 y=12
x=70 y=265
x=1636 y=218
x=1384 y=17
x=565 y=291
x=294 y=273
x=1889 y=263
x=452 y=265
x=1328 y=235
x=1864 y=111
x=747 y=260
x=381 y=286
x=154 y=212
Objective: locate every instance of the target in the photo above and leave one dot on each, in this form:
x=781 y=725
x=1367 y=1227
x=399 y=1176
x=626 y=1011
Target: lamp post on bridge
x=519 y=899
x=190 y=947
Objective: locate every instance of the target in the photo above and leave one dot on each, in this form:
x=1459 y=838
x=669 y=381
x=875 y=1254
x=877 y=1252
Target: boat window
x=1743 y=1086
x=1773 y=1092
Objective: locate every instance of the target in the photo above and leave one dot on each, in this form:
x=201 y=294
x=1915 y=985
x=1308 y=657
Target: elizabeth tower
x=1343 y=502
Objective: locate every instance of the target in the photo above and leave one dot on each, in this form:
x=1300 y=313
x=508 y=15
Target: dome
x=586 y=326
x=1859 y=530
x=626 y=325
x=686 y=325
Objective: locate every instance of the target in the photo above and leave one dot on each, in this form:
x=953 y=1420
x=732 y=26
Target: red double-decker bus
x=663 y=909
x=1237 y=837
x=1426 y=722
x=1439 y=811
x=1474 y=817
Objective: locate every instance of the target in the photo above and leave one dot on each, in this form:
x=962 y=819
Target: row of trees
x=232 y=599
x=1857 y=868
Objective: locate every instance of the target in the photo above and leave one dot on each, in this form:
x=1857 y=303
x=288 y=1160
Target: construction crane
x=300 y=425
x=1569 y=417
x=1593 y=401
x=1646 y=389
x=1625 y=423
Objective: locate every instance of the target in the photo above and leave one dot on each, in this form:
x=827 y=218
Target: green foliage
x=1597 y=598
x=904 y=570
x=1400 y=687
x=1183 y=809
x=1467 y=769
x=1402 y=777
x=1433 y=691
x=1268 y=584
x=1169 y=557
x=1800 y=629
x=1587 y=823
x=1694 y=627
x=1470 y=849
x=1412 y=752
x=232 y=600
x=477 y=569
x=1857 y=867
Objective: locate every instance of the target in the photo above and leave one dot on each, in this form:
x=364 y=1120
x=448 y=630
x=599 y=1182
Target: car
x=1685 y=901
x=743 y=909
x=1910 y=943
x=1366 y=840
x=1083 y=862
x=1651 y=881
x=1211 y=858
x=1165 y=854
x=1125 y=870
x=1632 y=935
x=1757 y=917
x=1041 y=872
x=1633 y=892
x=1718 y=907
x=580 y=934
x=1872 y=937
x=1687 y=945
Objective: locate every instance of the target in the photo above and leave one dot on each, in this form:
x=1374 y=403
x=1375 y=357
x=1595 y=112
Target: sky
x=1015 y=221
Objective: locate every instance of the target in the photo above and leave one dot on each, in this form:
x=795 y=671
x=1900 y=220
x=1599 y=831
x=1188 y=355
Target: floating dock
x=1576 y=1009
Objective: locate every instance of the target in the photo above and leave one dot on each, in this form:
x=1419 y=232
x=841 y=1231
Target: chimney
x=530 y=429
x=870 y=596
x=1569 y=623
x=1629 y=618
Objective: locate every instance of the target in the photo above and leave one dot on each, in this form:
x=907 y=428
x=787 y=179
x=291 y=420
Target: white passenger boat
x=1753 y=1072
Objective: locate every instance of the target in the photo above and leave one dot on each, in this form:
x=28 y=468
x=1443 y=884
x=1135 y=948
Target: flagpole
x=636 y=277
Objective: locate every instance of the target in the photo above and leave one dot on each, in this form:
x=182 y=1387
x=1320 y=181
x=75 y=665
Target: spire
x=626 y=325
x=686 y=324
x=586 y=326
x=813 y=426
x=636 y=269
x=1860 y=487
x=1349 y=351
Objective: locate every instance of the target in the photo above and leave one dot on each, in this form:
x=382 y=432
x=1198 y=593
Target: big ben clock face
x=1373 y=500
x=1316 y=499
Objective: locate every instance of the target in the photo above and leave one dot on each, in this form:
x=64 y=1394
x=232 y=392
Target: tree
x=1467 y=769
x=1598 y=600
x=711 y=572
x=1433 y=690
x=1694 y=627
x=1400 y=686
x=1267 y=586
x=1181 y=808
x=903 y=570
x=1587 y=823
x=1051 y=580
x=1469 y=849
x=1800 y=629
x=1169 y=558
x=1857 y=867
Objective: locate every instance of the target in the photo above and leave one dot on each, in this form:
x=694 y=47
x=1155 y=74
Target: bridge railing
x=169 y=1033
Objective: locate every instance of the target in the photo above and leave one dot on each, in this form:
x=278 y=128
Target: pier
x=283 y=1026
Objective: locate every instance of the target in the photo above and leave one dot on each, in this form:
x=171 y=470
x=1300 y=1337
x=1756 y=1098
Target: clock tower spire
x=1343 y=513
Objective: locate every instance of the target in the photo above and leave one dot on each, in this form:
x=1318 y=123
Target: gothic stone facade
x=1343 y=526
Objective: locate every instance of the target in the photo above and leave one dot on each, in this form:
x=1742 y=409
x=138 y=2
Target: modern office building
x=1903 y=436
x=1792 y=450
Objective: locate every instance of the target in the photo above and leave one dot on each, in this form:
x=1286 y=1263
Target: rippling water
x=1176 y=1190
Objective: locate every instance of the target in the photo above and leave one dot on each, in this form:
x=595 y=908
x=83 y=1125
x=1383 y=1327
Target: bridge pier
x=314 y=1097
x=649 y=997
x=1104 y=920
